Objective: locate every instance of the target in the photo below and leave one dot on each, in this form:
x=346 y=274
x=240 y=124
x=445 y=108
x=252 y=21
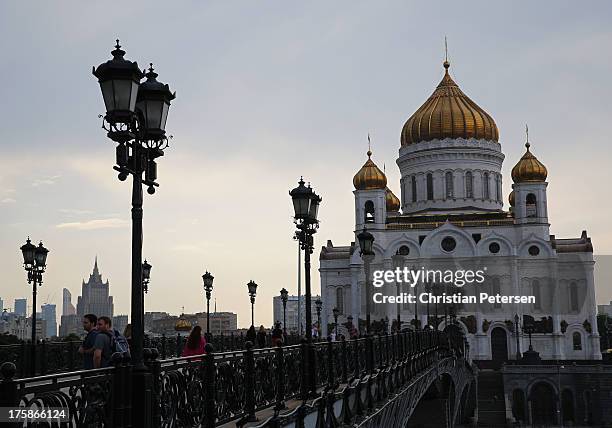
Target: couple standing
x=101 y=342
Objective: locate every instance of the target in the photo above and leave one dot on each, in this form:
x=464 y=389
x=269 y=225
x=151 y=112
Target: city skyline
x=247 y=101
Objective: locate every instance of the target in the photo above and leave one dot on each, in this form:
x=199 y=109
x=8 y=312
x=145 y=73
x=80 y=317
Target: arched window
x=469 y=185
x=450 y=188
x=485 y=186
x=537 y=294
x=573 y=295
x=414 y=189
x=430 y=187
x=577 y=341
x=531 y=205
x=340 y=299
x=497 y=187
x=369 y=212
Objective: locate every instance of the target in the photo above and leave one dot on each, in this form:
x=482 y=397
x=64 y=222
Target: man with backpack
x=108 y=342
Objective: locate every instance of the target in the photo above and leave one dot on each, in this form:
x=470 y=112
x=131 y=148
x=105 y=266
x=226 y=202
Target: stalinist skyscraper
x=94 y=298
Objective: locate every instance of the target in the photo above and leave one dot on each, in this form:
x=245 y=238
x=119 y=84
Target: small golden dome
x=182 y=324
x=529 y=168
x=369 y=177
x=511 y=198
x=448 y=113
x=392 y=201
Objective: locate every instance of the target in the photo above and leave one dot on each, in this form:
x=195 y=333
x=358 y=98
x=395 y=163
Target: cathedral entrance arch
x=499 y=345
x=543 y=405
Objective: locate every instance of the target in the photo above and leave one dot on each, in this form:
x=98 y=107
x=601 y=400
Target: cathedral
x=450 y=217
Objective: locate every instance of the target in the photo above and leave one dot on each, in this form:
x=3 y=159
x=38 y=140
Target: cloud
x=45 y=180
x=107 y=223
x=7 y=201
x=72 y=211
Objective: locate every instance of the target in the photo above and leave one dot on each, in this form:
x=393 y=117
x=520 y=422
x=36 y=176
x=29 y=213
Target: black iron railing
x=219 y=387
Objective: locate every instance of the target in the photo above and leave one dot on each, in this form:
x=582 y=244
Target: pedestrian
x=261 y=337
x=277 y=334
x=127 y=333
x=87 y=347
x=251 y=335
x=196 y=343
x=103 y=347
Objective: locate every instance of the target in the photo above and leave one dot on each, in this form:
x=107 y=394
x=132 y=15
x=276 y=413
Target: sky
x=266 y=92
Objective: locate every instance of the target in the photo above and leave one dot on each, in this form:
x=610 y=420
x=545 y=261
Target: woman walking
x=195 y=344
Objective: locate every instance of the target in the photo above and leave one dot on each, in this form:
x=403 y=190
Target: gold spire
x=369 y=177
x=392 y=201
x=448 y=113
x=529 y=168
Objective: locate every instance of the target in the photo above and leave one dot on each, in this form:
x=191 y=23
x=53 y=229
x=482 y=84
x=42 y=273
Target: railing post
x=154 y=366
x=210 y=372
x=163 y=346
x=121 y=393
x=381 y=362
x=369 y=354
x=343 y=359
x=178 y=345
x=331 y=380
x=357 y=371
x=8 y=387
x=249 y=383
x=280 y=377
x=43 y=357
x=305 y=385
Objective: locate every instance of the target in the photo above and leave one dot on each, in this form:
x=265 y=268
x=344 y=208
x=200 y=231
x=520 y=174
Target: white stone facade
x=528 y=260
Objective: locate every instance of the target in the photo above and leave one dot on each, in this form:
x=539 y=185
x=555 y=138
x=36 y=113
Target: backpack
x=118 y=343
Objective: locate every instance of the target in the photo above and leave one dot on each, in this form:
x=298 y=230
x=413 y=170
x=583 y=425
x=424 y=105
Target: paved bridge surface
x=420 y=379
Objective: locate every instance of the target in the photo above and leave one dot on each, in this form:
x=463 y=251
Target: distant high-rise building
x=70 y=324
x=21 y=307
x=94 y=298
x=119 y=322
x=292 y=311
x=49 y=315
x=67 y=306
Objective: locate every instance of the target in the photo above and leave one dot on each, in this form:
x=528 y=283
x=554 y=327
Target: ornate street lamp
x=35 y=263
x=366 y=243
x=336 y=312
x=319 y=306
x=207 y=278
x=306 y=209
x=146 y=276
x=252 y=286
x=516 y=333
x=135 y=119
x=284 y=295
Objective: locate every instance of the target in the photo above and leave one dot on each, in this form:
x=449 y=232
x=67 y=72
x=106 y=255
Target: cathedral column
x=390 y=290
x=355 y=294
x=516 y=290
x=592 y=310
x=558 y=351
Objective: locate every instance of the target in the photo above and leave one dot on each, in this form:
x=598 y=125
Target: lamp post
x=146 y=276
x=284 y=295
x=366 y=242
x=306 y=208
x=516 y=333
x=135 y=119
x=207 y=278
x=336 y=312
x=319 y=306
x=35 y=263
x=252 y=286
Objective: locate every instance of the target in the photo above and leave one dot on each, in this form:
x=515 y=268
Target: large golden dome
x=369 y=177
x=448 y=113
x=392 y=201
x=529 y=168
x=182 y=324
